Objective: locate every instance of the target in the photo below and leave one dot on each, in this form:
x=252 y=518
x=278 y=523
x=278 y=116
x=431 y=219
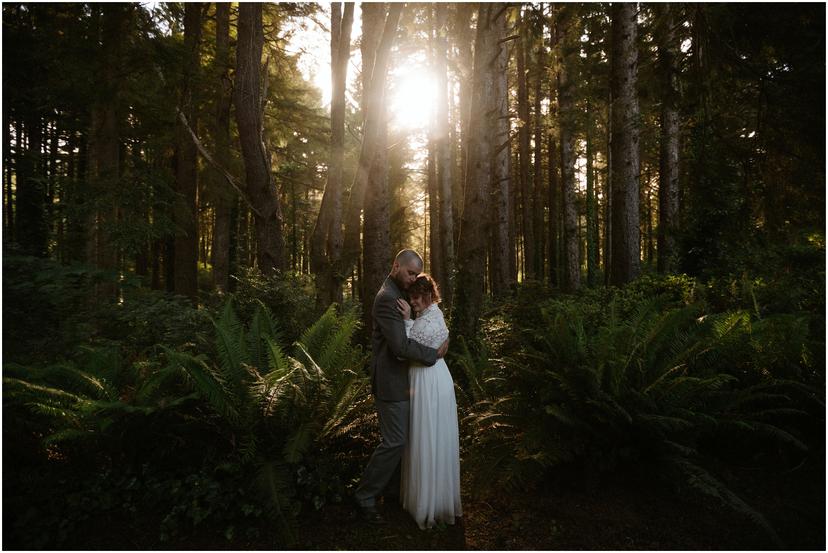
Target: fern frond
x=315 y=337
x=778 y=434
x=262 y=328
x=231 y=347
x=68 y=435
x=277 y=361
x=106 y=364
x=56 y=412
x=273 y=479
x=316 y=374
x=157 y=381
x=665 y=424
x=39 y=390
x=206 y=382
x=568 y=418
x=299 y=441
x=344 y=403
x=248 y=446
x=702 y=481
x=78 y=380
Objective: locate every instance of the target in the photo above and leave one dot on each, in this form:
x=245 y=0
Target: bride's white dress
x=431 y=462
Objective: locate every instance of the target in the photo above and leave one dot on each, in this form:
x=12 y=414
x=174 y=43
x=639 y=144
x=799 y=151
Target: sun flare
x=411 y=97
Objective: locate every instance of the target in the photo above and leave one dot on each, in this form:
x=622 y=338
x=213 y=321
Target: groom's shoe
x=371 y=515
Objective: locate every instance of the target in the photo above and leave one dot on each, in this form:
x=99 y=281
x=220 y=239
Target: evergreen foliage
x=644 y=384
x=283 y=414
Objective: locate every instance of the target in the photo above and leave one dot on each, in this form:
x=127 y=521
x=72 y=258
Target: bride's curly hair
x=425 y=285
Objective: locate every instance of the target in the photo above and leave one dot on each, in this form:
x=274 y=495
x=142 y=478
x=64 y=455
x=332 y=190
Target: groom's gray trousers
x=393 y=423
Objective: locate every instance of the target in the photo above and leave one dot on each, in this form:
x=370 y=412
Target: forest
x=623 y=204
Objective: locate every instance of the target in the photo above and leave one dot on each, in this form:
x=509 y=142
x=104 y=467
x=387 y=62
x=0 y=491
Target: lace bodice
x=429 y=328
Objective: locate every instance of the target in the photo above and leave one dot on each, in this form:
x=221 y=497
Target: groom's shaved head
x=407 y=266
x=406 y=257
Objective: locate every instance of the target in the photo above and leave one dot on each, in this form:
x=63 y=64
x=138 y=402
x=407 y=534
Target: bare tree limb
x=203 y=151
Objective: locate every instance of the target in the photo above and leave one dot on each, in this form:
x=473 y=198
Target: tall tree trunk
x=501 y=258
x=77 y=170
x=260 y=188
x=185 y=213
x=465 y=61
x=571 y=278
x=537 y=173
x=225 y=196
x=468 y=295
x=445 y=162
x=377 y=255
x=142 y=251
x=326 y=242
x=32 y=229
x=591 y=211
x=435 y=259
x=554 y=219
x=668 y=170
x=524 y=153
x=8 y=171
x=626 y=254
x=169 y=264
x=608 y=199
x=54 y=227
x=648 y=225
x=104 y=150
x=371 y=172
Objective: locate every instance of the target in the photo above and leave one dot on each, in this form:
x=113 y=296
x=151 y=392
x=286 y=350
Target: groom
x=391 y=351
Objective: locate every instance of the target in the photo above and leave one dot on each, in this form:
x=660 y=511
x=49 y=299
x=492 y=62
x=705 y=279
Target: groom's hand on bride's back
x=443 y=349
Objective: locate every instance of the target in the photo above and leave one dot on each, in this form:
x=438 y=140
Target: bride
x=431 y=462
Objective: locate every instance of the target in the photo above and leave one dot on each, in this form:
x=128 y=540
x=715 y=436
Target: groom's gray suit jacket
x=391 y=349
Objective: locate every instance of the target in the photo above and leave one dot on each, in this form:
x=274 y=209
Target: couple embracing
x=414 y=397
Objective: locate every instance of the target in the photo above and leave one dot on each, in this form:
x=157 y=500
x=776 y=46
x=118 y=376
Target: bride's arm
x=429 y=331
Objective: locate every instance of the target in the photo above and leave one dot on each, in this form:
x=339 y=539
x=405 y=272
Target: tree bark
x=435 y=232
x=501 y=257
x=445 y=162
x=554 y=218
x=185 y=214
x=104 y=152
x=326 y=241
x=32 y=230
x=571 y=278
x=626 y=254
x=468 y=295
x=537 y=172
x=371 y=171
x=591 y=211
x=225 y=197
x=524 y=153
x=465 y=62
x=370 y=188
x=374 y=69
x=8 y=171
x=668 y=168
x=608 y=199
x=247 y=96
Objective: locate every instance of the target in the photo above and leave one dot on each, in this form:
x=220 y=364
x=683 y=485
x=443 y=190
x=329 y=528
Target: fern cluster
x=280 y=413
x=593 y=391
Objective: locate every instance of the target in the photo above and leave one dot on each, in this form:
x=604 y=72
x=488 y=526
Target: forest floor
x=621 y=515
x=617 y=515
